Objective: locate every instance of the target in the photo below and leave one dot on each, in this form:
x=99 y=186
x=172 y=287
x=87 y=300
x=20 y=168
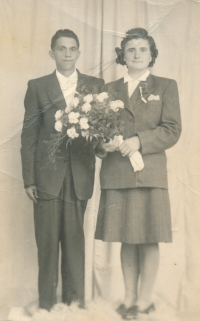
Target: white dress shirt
x=68 y=85
x=133 y=83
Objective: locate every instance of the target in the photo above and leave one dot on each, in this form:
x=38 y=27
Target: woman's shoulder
x=162 y=80
x=113 y=85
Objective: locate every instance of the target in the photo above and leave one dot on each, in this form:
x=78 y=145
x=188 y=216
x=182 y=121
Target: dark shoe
x=131 y=313
x=121 y=309
x=81 y=306
x=149 y=309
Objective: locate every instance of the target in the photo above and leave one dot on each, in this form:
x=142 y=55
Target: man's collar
x=128 y=78
x=63 y=79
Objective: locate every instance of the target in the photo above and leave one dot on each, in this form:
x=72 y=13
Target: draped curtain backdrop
x=26 y=30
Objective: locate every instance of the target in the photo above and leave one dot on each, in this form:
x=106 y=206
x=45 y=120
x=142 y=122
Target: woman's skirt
x=134 y=216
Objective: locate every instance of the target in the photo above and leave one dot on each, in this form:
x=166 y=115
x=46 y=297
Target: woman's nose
x=137 y=54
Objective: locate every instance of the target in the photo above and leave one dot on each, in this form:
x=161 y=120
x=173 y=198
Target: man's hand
x=130 y=146
x=31 y=191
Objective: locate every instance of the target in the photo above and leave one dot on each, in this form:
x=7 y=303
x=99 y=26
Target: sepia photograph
x=100 y=160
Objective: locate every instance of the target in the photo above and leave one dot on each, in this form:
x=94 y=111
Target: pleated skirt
x=134 y=216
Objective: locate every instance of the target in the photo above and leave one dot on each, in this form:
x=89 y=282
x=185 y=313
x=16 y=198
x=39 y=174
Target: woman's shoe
x=149 y=309
x=131 y=313
x=121 y=309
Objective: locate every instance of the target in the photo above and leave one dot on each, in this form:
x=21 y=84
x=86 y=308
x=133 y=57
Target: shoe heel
x=149 y=309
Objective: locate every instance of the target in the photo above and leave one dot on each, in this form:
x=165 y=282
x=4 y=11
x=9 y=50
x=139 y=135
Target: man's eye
x=73 y=49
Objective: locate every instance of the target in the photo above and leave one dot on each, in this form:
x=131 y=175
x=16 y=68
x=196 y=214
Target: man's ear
x=51 y=54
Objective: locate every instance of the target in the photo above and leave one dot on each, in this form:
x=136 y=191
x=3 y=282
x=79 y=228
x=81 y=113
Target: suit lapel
x=136 y=98
x=55 y=92
x=122 y=94
x=81 y=82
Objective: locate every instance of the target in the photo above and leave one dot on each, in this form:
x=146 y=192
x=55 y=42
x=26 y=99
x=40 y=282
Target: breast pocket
x=153 y=112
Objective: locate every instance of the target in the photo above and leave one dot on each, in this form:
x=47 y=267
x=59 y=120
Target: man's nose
x=67 y=52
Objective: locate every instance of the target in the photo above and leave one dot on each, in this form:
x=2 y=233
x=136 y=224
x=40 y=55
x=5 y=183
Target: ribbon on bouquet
x=136 y=159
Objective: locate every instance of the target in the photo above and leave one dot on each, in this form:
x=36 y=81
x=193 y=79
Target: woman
x=134 y=206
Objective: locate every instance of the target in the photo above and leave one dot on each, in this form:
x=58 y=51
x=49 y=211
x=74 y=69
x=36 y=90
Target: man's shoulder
x=41 y=80
x=89 y=84
x=90 y=78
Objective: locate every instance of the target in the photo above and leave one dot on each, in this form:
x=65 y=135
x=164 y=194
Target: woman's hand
x=112 y=145
x=130 y=146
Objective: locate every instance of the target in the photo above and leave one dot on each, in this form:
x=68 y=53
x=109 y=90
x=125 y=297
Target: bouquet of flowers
x=94 y=116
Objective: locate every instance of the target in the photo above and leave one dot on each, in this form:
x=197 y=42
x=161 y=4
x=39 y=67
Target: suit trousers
x=59 y=221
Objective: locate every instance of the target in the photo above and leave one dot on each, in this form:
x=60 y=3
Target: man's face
x=65 y=53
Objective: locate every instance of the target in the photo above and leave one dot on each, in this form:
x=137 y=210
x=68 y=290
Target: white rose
x=58 y=114
x=102 y=96
x=88 y=98
x=115 y=105
x=75 y=102
x=58 y=126
x=84 y=123
x=119 y=103
x=86 y=107
x=73 y=118
x=71 y=132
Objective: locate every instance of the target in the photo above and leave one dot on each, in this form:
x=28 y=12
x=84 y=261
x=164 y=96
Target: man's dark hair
x=63 y=33
x=136 y=33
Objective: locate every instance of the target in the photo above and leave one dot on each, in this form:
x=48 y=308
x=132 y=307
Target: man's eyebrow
x=62 y=46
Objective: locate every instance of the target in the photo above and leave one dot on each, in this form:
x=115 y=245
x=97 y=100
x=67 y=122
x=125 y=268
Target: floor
x=96 y=311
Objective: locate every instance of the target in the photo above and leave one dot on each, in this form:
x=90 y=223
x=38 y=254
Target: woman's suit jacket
x=158 y=126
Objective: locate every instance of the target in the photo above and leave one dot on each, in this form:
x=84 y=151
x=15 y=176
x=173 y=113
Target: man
x=60 y=195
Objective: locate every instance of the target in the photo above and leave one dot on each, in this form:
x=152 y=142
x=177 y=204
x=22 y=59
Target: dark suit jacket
x=43 y=98
x=158 y=125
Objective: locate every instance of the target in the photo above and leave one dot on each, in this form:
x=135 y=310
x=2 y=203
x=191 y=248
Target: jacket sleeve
x=168 y=132
x=30 y=133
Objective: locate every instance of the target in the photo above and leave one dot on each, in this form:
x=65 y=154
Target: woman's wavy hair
x=136 y=33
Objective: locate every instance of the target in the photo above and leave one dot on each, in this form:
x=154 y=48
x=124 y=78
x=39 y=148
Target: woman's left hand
x=130 y=146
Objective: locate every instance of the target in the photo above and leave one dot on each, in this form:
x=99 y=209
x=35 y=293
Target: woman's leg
x=130 y=268
x=149 y=262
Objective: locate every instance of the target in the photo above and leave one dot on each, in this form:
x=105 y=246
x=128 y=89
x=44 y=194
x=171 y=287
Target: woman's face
x=137 y=54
